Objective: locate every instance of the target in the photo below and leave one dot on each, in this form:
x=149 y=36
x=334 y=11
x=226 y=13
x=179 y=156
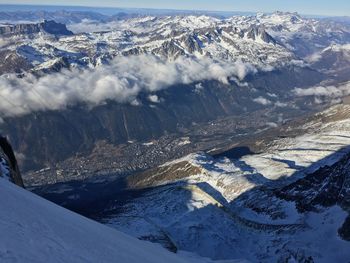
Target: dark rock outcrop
x=259 y=32
x=170 y=49
x=6 y=153
x=50 y=27
x=13 y=63
x=328 y=186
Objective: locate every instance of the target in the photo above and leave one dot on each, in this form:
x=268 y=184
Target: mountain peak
x=47 y=26
x=258 y=33
x=279 y=17
x=287 y=14
x=54 y=28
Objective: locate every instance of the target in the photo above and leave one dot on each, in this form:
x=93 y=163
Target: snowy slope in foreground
x=35 y=230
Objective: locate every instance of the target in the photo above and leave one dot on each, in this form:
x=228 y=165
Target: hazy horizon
x=134 y=5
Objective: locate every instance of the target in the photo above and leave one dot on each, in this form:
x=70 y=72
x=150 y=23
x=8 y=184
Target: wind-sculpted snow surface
x=35 y=230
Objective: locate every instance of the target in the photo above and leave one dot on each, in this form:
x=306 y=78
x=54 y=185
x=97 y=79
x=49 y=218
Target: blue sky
x=320 y=7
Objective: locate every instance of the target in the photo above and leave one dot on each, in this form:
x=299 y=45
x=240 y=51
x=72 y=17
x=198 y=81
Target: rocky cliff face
x=259 y=33
x=327 y=187
x=13 y=63
x=46 y=26
x=8 y=163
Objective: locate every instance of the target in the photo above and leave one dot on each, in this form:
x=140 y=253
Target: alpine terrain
x=146 y=135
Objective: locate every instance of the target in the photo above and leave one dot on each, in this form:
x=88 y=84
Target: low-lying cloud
x=332 y=92
x=122 y=80
x=262 y=101
x=89 y=26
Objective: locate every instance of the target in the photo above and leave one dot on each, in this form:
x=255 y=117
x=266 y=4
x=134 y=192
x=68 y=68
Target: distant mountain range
x=263 y=40
x=109 y=11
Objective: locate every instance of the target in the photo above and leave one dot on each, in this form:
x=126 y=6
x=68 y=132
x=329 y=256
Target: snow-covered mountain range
x=265 y=41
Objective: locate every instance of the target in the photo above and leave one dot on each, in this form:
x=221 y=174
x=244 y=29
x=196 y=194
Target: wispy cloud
x=262 y=101
x=324 y=91
x=89 y=26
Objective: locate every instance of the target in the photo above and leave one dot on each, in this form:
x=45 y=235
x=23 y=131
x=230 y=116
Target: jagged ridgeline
x=50 y=27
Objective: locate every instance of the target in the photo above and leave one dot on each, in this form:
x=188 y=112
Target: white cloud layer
x=262 y=101
x=332 y=92
x=89 y=26
x=120 y=81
